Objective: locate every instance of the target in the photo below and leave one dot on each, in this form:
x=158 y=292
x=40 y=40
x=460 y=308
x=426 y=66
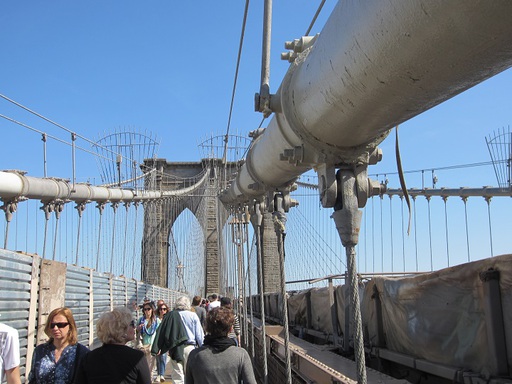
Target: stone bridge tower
x=195 y=186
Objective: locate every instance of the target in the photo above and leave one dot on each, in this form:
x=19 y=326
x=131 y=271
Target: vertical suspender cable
x=445 y=199
x=415 y=232
x=8 y=216
x=403 y=232
x=80 y=209
x=26 y=228
x=465 y=200
x=391 y=230
x=430 y=234
x=55 y=235
x=256 y=219
x=373 y=235
x=44 y=238
x=243 y=301
x=381 y=197
x=48 y=209
x=488 y=200
x=114 y=208
x=356 y=309
x=127 y=206
x=279 y=225
x=250 y=289
x=37 y=227
x=365 y=241
x=100 y=207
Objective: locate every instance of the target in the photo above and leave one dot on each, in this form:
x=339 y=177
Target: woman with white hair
x=114 y=362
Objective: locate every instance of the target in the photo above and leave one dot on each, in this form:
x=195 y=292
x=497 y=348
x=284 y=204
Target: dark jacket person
x=114 y=362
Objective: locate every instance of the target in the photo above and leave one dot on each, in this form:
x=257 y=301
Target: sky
x=166 y=68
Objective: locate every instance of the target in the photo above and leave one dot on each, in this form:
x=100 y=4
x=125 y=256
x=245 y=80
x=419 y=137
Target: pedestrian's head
x=148 y=309
x=219 y=321
x=196 y=300
x=116 y=326
x=182 y=303
x=225 y=302
x=61 y=324
x=162 y=309
x=214 y=297
x=159 y=303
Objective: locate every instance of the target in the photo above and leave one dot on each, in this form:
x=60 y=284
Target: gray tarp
x=436 y=316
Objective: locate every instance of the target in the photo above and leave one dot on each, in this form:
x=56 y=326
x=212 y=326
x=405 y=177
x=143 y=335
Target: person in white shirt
x=9 y=355
x=214 y=302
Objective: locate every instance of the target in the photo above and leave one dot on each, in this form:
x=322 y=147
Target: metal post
x=494 y=320
x=334 y=313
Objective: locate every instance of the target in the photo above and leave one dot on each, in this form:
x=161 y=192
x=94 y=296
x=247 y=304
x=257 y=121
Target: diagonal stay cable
x=50 y=136
x=315 y=17
x=54 y=123
x=244 y=23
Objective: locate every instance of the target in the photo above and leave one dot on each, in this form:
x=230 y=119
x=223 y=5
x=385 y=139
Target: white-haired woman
x=114 y=362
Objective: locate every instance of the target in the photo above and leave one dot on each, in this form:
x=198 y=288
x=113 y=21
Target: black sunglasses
x=163 y=309
x=58 y=325
x=147 y=309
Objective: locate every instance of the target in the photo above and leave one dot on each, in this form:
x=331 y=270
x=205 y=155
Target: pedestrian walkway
x=168 y=370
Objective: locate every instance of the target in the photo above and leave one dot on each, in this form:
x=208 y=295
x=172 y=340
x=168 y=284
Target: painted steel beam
x=375 y=65
x=15 y=185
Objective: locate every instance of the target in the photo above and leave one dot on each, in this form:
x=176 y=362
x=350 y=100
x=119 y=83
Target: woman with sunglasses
x=161 y=360
x=56 y=361
x=114 y=361
x=146 y=327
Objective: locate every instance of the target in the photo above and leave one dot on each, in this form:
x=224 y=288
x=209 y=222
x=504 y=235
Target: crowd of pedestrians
x=200 y=339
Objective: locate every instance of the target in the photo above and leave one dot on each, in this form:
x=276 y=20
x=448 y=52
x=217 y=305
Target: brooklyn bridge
x=339 y=273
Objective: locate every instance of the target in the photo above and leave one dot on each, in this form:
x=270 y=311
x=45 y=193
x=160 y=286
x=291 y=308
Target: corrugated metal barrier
x=30 y=287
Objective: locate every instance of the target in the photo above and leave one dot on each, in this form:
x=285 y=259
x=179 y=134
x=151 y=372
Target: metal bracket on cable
x=101 y=207
x=48 y=207
x=9 y=207
x=58 y=207
x=80 y=208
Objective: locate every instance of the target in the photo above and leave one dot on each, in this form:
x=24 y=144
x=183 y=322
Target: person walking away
x=219 y=360
x=170 y=335
x=9 y=355
x=214 y=302
x=146 y=327
x=161 y=359
x=114 y=362
x=56 y=361
x=235 y=332
x=200 y=311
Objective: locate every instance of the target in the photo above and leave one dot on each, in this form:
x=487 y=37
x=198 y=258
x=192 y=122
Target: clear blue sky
x=167 y=67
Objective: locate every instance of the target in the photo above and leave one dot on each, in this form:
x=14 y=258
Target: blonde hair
x=72 y=337
x=111 y=327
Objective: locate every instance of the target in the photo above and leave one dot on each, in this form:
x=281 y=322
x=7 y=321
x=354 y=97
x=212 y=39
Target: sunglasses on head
x=58 y=325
